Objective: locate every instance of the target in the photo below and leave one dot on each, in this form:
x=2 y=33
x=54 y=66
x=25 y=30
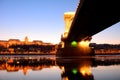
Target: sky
x=43 y=20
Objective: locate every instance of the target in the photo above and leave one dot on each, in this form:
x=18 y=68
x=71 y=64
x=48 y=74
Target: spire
x=26 y=40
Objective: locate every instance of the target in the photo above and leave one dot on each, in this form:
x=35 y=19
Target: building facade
x=7 y=43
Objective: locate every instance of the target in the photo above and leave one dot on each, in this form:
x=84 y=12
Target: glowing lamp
x=74 y=71
x=73 y=43
x=84 y=43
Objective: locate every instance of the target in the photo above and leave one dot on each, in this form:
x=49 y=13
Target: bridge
x=91 y=17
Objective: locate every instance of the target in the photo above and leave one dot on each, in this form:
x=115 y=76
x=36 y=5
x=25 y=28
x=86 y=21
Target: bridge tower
x=89 y=19
x=68 y=18
x=73 y=48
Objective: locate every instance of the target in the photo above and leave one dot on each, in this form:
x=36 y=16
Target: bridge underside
x=91 y=17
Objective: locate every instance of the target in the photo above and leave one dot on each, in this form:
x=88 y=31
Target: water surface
x=50 y=67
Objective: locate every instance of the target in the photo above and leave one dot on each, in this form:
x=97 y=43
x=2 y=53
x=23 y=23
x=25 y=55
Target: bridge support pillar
x=75 y=49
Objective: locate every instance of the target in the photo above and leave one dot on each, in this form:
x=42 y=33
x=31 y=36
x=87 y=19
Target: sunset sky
x=43 y=20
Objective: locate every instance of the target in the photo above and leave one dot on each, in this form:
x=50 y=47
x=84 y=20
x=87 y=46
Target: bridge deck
x=93 y=16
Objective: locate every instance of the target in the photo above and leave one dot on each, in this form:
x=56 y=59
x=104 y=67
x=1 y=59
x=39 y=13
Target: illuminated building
x=26 y=41
x=15 y=46
x=14 y=42
x=4 y=43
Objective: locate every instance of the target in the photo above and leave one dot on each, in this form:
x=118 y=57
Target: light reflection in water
x=52 y=68
x=76 y=69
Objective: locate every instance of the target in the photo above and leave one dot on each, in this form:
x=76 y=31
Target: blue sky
x=43 y=20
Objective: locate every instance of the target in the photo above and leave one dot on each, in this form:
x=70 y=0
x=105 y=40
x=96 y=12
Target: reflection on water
x=16 y=63
x=76 y=69
x=51 y=68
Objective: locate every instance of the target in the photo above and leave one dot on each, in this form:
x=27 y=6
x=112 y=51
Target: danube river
x=50 y=67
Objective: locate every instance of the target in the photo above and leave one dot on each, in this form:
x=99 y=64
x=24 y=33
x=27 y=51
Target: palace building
x=26 y=41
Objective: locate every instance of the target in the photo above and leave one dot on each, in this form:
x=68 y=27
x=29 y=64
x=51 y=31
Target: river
x=50 y=67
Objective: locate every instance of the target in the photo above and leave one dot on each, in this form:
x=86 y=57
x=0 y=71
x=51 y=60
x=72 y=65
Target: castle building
x=14 y=42
x=4 y=43
x=26 y=41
